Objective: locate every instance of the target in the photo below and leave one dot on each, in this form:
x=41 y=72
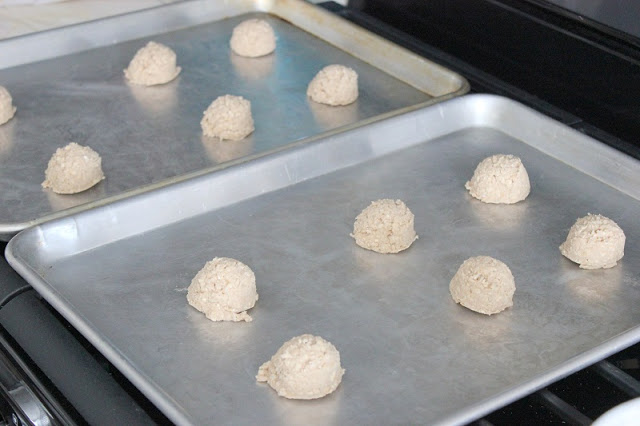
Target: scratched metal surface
x=412 y=356
x=151 y=136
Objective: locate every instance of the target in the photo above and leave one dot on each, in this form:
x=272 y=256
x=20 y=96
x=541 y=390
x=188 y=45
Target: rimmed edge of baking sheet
x=389 y=57
x=273 y=172
x=587 y=358
x=392 y=59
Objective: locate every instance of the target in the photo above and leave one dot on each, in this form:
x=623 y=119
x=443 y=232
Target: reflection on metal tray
x=119 y=273
x=74 y=90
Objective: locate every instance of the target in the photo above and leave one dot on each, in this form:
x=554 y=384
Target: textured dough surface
x=305 y=367
x=334 y=85
x=385 y=226
x=72 y=169
x=228 y=117
x=500 y=179
x=224 y=289
x=483 y=284
x=594 y=242
x=253 y=38
x=153 y=64
x=7 y=110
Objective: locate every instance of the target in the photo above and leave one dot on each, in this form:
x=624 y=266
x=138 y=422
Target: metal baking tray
x=68 y=85
x=119 y=273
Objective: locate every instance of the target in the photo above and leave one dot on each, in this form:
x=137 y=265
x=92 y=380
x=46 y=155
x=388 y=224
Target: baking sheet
x=119 y=273
x=68 y=85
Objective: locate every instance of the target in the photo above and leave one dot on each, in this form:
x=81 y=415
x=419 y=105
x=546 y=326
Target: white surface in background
x=19 y=17
x=26 y=2
x=626 y=414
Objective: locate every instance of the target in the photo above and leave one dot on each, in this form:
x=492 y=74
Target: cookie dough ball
x=305 y=367
x=223 y=290
x=153 y=64
x=7 y=110
x=594 y=242
x=483 y=284
x=228 y=117
x=386 y=226
x=334 y=85
x=500 y=179
x=253 y=38
x=72 y=169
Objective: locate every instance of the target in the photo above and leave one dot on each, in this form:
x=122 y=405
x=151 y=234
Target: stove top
x=578 y=71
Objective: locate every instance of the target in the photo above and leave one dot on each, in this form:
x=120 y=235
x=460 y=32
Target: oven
x=576 y=62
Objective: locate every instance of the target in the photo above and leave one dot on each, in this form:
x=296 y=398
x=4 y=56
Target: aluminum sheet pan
x=119 y=273
x=68 y=86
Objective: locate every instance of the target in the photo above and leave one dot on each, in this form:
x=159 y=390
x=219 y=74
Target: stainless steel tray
x=68 y=86
x=412 y=356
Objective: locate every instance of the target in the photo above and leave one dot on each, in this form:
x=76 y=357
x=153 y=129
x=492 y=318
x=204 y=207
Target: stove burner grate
x=579 y=398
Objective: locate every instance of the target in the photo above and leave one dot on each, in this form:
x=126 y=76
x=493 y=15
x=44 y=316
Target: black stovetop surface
x=575 y=70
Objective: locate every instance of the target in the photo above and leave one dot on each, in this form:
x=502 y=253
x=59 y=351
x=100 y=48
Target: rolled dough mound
x=305 y=367
x=594 y=242
x=334 y=85
x=228 y=117
x=223 y=290
x=153 y=64
x=7 y=110
x=253 y=38
x=483 y=284
x=500 y=179
x=72 y=169
x=386 y=226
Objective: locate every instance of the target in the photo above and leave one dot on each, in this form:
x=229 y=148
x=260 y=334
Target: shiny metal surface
x=119 y=273
x=150 y=136
x=25 y=407
x=622 y=15
x=30 y=406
